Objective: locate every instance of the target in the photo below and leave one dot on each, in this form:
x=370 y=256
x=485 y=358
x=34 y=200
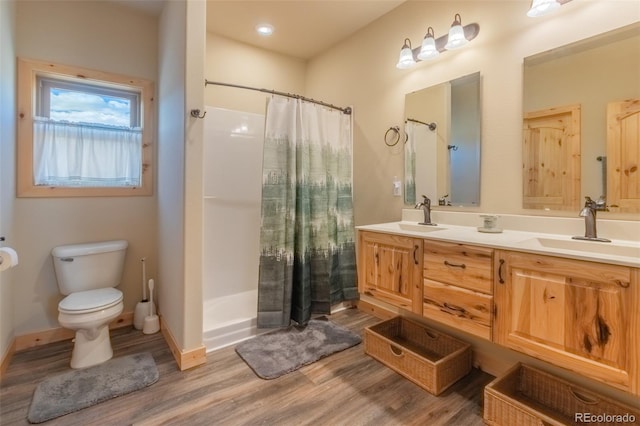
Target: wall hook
x=195 y=113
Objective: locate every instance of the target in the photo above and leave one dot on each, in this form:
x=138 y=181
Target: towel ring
x=396 y=136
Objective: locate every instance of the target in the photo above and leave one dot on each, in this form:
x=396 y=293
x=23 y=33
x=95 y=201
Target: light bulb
x=406 y=59
x=542 y=7
x=428 y=49
x=456 y=37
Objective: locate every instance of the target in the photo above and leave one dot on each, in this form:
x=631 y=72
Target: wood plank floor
x=347 y=388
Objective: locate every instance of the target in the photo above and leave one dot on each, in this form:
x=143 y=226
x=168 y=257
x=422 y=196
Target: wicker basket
x=527 y=396
x=428 y=358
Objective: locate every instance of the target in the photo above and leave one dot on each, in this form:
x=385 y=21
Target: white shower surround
x=232 y=159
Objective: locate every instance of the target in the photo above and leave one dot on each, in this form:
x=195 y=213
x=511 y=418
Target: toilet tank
x=89 y=266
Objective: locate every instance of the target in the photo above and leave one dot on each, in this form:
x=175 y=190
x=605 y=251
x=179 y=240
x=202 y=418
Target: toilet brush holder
x=151 y=324
x=151 y=321
x=142 y=311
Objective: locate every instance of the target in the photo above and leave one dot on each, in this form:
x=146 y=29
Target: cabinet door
x=579 y=315
x=390 y=269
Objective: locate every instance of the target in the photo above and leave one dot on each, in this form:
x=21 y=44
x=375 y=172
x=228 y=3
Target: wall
x=7 y=165
x=361 y=72
x=171 y=131
x=181 y=54
x=229 y=61
x=108 y=37
x=195 y=66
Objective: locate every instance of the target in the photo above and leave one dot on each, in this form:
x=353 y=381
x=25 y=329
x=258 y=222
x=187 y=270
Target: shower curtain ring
x=195 y=113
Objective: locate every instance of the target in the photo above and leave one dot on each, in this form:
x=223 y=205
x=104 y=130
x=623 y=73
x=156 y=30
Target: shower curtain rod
x=346 y=110
x=431 y=126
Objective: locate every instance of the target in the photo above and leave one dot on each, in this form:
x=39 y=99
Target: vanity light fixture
x=544 y=7
x=406 y=59
x=428 y=50
x=432 y=47
x=456 y=37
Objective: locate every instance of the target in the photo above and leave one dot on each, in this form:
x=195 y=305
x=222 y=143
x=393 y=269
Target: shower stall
x=232 y=158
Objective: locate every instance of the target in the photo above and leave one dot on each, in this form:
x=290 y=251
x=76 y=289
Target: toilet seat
x=84 y=302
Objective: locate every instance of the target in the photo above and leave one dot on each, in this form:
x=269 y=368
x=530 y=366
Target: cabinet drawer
x=464 y=309
x=458 y=264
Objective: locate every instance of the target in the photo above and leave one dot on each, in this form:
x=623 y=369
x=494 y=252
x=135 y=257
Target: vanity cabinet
x=458 y=286
x=390 y=269
x=580 y=315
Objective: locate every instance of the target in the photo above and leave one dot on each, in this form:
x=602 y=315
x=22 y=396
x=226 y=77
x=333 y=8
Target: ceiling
x=303 y=28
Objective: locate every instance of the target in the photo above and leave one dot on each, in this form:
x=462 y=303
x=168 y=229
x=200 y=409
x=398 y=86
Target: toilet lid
x=90 y=300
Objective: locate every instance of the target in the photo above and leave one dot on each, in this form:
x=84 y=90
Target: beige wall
x=193 y=192
x=228 y=61
x=7 y=166
x=108 y=37
x=361 y=71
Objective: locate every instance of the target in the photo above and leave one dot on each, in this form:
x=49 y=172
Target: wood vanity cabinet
x=458 y=286
x=390 y=269
x=580 y=315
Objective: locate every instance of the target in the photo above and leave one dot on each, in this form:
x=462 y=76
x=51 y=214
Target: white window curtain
x=71 y=154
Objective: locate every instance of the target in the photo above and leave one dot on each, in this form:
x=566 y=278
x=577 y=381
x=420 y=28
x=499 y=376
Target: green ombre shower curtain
x=307 y=239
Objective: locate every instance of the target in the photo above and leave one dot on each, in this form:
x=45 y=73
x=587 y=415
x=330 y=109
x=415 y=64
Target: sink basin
x=614 y=249
x=414 y=227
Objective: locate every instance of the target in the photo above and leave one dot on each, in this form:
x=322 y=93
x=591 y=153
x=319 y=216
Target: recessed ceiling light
x=264 y=29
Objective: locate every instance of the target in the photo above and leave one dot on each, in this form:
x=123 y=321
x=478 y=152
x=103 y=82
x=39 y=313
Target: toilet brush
x=151 y=321
x=142 y=308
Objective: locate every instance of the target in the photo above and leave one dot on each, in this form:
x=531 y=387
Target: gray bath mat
x=282 y=351
x=78 y=389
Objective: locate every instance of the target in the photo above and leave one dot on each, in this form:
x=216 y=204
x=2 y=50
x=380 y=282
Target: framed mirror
x=581 y=123
x=442 y=148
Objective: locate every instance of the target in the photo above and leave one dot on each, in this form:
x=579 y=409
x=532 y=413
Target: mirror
x=581 y=123
x=442 y=148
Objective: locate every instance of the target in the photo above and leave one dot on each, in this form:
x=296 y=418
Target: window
x=82 y=132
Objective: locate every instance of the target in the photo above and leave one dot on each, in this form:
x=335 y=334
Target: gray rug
x=72 y=391
x=282 y=351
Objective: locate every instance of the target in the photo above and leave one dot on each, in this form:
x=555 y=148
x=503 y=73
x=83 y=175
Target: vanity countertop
x=619 y=252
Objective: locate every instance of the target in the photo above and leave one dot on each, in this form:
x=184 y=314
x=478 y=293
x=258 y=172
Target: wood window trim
x=27 y=72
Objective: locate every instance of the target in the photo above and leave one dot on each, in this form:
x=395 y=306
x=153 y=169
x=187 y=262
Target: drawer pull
x=395 y=350
x=415 y=252
x=455 y=265
x=583 y=398
x=500 y=279
x=431 y=335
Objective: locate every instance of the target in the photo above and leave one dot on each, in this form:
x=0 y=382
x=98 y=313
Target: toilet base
x=89 y=352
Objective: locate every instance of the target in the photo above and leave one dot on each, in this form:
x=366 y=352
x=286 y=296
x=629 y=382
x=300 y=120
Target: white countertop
x=620 y=252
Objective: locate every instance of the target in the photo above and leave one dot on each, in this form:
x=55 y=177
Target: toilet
x=87 y=275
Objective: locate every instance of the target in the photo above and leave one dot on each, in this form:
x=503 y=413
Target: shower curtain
x=307 y=258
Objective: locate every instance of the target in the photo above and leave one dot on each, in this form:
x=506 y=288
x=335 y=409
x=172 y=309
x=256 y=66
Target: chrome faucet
x=591 y=207
x=426 y=207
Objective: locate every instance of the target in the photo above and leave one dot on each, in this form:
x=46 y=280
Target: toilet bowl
x=89 y=313
x=87 y=274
